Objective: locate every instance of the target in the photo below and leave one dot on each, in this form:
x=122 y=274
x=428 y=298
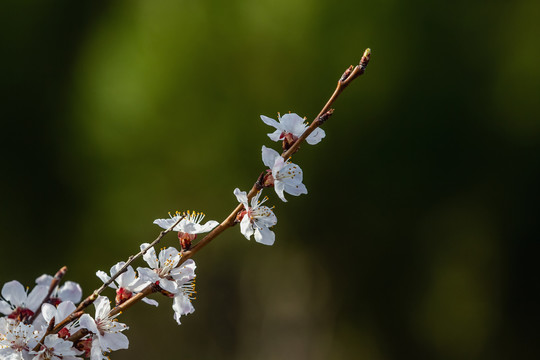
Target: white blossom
x=256 y=219
x=287 y=176
x=16 y=339
x=69 y=291
x=295 y=126
x=59 y=313
x=126 y=284
x=17 y=303
x=107 y=331
x=55 y=348
x=190 y=224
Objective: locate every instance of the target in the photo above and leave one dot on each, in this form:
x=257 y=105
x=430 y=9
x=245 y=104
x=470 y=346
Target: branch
x=348 y=76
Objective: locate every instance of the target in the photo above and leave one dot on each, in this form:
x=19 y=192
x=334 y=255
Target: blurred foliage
x=418 y=238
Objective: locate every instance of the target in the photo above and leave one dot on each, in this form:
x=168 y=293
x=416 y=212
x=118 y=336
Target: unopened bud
x=346 y=73
x=365 y=59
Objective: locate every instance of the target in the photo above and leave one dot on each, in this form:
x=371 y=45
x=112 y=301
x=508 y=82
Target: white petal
x=63 y=310
x=13 y=292
x=168 y=285
x=103 y=306
x=48 y=311
x=316 y=136
x=147 y=274
x=245 y=227
x=264 y=217
x=271 y=122
x=292 y=123
x=279 y=187
x=275 y=136
x=265 y=236
x=181 y=306
x=95 y=352
x=70 y=291
x=169 y=257
x=104 y=277
x=36 y=297
x=127 y=277
x=5 y=308
x=87 y=322
x=44 y=280
x=210 y=225
x=241 y=196
x=296 y=190
x=150 y=256
x=150 y=301
x=114 y=341
x=269 y=156
x=167 y=223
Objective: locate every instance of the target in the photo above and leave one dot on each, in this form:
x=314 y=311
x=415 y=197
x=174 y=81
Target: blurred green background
x=419 y=236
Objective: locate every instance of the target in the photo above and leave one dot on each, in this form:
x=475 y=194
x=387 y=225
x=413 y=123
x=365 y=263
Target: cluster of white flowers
x=27 y=327
x=283 y=175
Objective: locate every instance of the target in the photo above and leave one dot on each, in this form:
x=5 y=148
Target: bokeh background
x=419 y=236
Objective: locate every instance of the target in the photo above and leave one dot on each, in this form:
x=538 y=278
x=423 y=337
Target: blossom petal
x=292 y=123
x=181 y=306
x=87 y=322
x=70 y=291
x=44 y=280
x=103 y=307
x=168 y=285
x=5 y=308
x=36 y=297
x=127 y=278
x=150 y=301
x=169 y=257
x=150 y=256
x=63 y=310
x=296 y=190
x=13 y=292
x=241 y=196
x=275 y=136
x=113 y=341
x=269 y=156
x=271 y=122
x=245 y=227
x=48 y=311
x=147 y=274
x=316 y=136
x=265 y=236
x=104 y=277
x=167 y=223
x=279 y=187
x=210 y=225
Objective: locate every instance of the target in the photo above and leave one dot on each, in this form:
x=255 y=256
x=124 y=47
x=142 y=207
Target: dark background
x=419 y=236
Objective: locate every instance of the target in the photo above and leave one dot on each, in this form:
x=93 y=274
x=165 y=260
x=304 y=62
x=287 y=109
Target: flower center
x=21 y=314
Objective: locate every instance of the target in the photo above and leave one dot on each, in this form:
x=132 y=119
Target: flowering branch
x=65 y=331
x=348 y=76
x=89 y=300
